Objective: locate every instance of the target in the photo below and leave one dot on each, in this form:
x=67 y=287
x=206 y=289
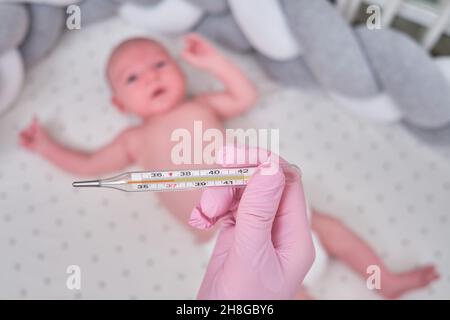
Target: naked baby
x=146 y=81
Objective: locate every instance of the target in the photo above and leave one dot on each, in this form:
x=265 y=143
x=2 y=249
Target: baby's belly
x=158 y=150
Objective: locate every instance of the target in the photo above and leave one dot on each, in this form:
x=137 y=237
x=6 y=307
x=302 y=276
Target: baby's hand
x=34 y=138
x=199 y=52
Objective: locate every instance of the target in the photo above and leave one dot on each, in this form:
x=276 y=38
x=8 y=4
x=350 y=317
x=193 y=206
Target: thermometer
x=174 y=180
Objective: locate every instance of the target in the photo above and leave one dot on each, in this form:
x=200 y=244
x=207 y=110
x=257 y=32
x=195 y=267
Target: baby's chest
x=154 y=142
x=192 y=119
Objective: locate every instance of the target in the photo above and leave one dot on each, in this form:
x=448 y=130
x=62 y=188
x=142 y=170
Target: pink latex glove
x=264 y=249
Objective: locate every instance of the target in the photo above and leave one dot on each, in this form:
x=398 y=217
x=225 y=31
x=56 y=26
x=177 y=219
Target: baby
x=146 y=81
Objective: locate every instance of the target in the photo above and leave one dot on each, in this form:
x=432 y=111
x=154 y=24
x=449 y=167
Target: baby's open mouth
x=158 y=92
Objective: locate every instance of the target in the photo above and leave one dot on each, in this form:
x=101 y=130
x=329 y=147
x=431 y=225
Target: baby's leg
x=342 y=243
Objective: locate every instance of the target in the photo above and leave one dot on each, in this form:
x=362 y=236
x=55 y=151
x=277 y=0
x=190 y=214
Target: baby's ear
x=118 y=104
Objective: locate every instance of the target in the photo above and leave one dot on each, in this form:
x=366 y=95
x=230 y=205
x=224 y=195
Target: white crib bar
x=437 y=29
x=390 y=10
x=349 y=9
x=436 y=25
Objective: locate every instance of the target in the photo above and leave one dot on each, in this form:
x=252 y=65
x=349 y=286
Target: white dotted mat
x=392 y=191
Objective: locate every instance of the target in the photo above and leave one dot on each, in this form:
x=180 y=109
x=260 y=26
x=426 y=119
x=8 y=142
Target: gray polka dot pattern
x=391 y=190
x=120 y=241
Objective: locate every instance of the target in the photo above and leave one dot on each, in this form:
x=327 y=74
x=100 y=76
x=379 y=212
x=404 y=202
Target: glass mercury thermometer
x=174 y=180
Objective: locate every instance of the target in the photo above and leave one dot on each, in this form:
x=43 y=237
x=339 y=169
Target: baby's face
x=145 y=79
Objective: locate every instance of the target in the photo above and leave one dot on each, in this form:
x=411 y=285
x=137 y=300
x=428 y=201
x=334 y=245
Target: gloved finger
x=252 y=255
x=258 y=207
x=215 y=203
x=291 y=234
x=235 y=156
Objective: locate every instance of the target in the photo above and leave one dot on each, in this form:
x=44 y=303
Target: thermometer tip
x=91 y=183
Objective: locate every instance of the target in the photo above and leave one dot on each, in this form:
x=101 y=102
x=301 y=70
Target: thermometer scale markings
x=220 y=178
x=182 y=178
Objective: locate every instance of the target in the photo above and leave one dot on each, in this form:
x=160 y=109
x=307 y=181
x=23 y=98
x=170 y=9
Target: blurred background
x=424 y=20
x=360 y=95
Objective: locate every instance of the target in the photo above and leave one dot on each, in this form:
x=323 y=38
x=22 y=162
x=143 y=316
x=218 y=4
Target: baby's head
x=144 y=78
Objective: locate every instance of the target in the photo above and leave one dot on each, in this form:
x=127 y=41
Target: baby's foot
x=398 y=284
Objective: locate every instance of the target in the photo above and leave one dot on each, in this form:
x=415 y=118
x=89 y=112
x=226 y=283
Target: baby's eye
x=131 y=78
x=160 y=64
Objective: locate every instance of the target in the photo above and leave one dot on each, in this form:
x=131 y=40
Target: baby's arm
x=110 y=158
x=239 y=94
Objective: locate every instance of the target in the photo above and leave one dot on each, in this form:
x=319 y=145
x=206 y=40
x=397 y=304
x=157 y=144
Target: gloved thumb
x=258 y=206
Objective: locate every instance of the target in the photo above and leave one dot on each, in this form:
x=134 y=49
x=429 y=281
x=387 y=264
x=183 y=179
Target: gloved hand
x=264 y=248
